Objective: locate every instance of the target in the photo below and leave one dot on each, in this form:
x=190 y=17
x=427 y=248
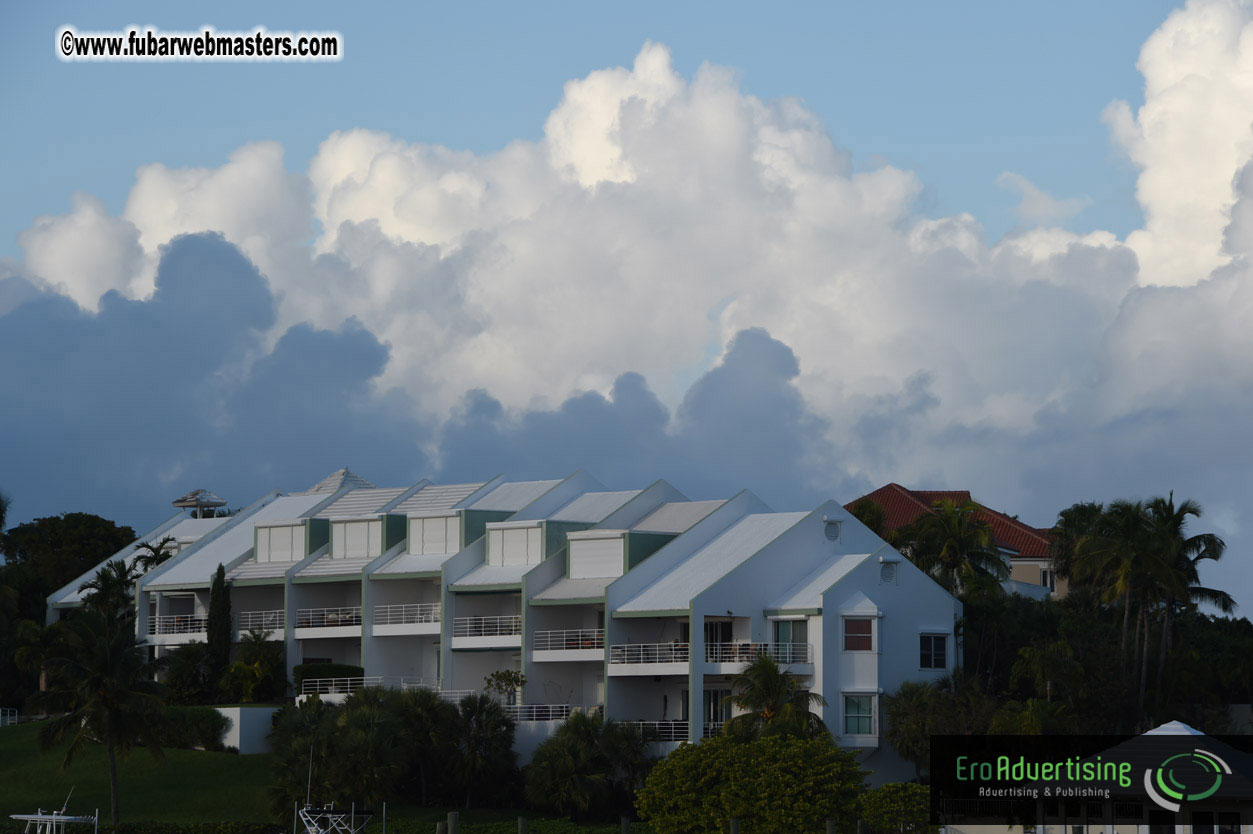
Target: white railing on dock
x=747 y=652
x=259 y=620
x=569 y=639
x=410 y=614
x=328 y=617
x=177 y=624
x=650 y=653
x=487 y=626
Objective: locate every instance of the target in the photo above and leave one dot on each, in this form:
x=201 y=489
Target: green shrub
x=772 y=785
x=194 y=728
x=178 y=828
x=903 y=807
x=308 y=671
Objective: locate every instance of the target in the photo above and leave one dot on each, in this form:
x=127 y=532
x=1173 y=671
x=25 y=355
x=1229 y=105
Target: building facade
x=639 y=603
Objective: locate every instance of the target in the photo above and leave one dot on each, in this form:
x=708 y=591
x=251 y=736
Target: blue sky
x=956 y=92
x=977 y=246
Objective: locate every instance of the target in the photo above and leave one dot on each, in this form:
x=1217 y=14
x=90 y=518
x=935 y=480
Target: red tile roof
x=902 y=506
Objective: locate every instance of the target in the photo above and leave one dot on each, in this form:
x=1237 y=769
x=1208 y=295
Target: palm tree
x=258 y=674
x=907 y=712
x=368 y=745
x=483 y=749
x=569 y=772
x=870 y=514
x=1182 y=553
x=772 y=702
x=5 y=503
x=953 y=545
x=1034 y=718
x=1046 y=664
x=111 y=590
x=189 y=674
x=104 y=681
x=148 y=554
x=428 y=722
x=35 y=645
x=302 y=739
x=1074 y=525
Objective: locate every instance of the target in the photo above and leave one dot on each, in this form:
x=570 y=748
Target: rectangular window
x=859 y=715
x=857 y=635
x=356 y=539
x=1048 y=578
x=933 y=651
x=787 y=632
x=716 y=708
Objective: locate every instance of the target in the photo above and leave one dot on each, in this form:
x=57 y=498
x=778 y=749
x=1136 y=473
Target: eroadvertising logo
x=1185 y=766
x=1024 y=779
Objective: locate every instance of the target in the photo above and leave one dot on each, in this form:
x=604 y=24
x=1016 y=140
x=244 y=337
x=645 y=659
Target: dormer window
x=356 y=539
x=282 y=543
x=436 y=535
x=515 y=545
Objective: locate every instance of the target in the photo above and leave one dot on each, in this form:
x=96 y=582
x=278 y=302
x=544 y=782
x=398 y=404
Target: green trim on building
x=395 y=530
x=571 y=601
x=421 y=574
x=792 y=612
x=639 y=546
x=309 y=580
x=665 y=612
x=496 y=588
x=318 y=534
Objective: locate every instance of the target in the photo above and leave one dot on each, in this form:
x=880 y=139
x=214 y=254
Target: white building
x=641 y=603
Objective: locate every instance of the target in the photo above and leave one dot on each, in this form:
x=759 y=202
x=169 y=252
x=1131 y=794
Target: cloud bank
x=678 y=280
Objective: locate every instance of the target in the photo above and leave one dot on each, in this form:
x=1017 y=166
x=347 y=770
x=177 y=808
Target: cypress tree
x=219 y=627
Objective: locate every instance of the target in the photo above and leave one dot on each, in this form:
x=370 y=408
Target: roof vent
x=831 y=528
x=887 y=573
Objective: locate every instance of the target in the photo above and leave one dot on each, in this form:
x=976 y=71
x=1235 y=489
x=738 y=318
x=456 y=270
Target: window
x=859 y=715
x=857 y=635
x=434 y=535
x=933 y=651
x=716 y=708
x=514 y=546
x=791 y=631
x=717 y=631
x=356 y=539
x=1048 y=578
x=280 y=544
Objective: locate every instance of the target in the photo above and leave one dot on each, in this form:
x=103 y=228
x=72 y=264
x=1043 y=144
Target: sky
x=803 y=252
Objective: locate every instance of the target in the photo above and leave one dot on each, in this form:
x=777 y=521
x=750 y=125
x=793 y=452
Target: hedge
x=194 y=728
x=304 y=671
x=540 y=825
x=176 y=828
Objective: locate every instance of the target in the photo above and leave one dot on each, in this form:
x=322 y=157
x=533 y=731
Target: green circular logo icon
x=1185 y=777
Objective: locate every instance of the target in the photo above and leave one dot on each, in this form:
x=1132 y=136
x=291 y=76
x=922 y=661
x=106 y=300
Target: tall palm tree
x=483 y=750
x=368 y=745
x=103 y=680
x=258 y=673
x=955 y=546
x=870 y=514
x=907 y=715
x=1183 y=554
x=1074 y=525
x=304 y=763
x=1045 y=665
x=35 y=645
x=772 y=702
x=428 y=722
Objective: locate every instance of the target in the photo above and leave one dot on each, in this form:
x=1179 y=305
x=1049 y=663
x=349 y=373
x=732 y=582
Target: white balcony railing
x=177 y=624
x=569 y=639
x=340 y=686
x=549 y=712
x=746 y=652
x=8 y=716
x=455 y=695
x=259 y=620
x=411 y=614
x=663 y=730
x=650 y=653
x=714 y=728
x=487 y=626
x=328 y=617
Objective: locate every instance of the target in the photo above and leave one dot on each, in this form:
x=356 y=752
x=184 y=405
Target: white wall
x=249 y=728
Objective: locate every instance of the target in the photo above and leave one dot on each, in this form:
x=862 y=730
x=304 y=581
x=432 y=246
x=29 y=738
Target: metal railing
x=713 y=728
x=539 y=712
x=569 y=639
x=746 y=652
x=328 y=617
x=177 y=624
x=410 y=614
x=487 y=626
x=455 y=695
x=8 y=716
x=260 y=620
x=650 y=653
x=340 y=686
x=663 y=730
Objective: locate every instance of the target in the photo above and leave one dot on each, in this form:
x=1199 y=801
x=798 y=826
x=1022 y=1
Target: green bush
x=194 y=728
x=772 y=785
x=307 y=671
x=903 y=807
x=177 y=828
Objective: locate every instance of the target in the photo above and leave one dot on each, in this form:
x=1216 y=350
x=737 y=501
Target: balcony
x=578 y=644
x=733 y=657
x=663 y=730
x=246 y=621
x=649 y=659
x=501 y=632
x=338 y=689
x=178 y=624
x=713 y=728
x=344 y=621
x=413 y=618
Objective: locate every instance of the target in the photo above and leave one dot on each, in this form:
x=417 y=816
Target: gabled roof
x=902 y=506
x=339 y=479
x=593 y=507
x=361 y=502
x=513 y=496
x=676 y=588
x=675 y=517
x=807 y=594
x=435 y=498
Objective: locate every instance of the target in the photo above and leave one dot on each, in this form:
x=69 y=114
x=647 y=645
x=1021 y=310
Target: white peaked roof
x=436 y=497
x=361 y=502
x=511 y=497
x=198 y=566
x=493 y=575
x=675 y=517
x=676 y=588
x=186 y=531
x=415 y=563
x=1173 y=728
x=807 y=593
x=593 y=507
x=567 y=589
x=339 y=479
